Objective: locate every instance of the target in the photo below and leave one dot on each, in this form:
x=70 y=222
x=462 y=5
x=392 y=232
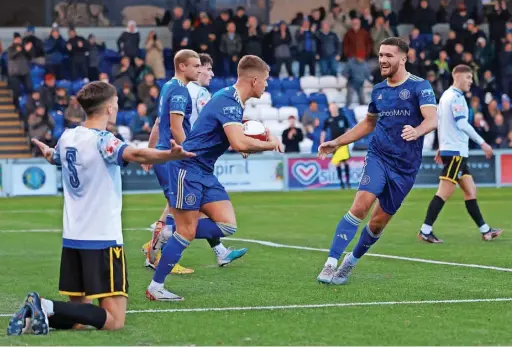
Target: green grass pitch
x=280 y=277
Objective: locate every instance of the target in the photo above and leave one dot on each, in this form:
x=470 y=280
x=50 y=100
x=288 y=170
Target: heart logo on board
x=305 y=172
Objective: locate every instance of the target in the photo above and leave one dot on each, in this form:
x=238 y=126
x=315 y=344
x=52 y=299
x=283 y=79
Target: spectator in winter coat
x=306 y=47
x=204 y=36
x=357 y=72
x=425 y=18
x=380 y=32
x=18 y=66
x=240 y=20
x=484 y=54
x=123 y=74
x=328 y=50
x=129 y=41
x=94 y=54
x=155 y=55
x=433 y=48
x=254 y=39
x=282 y=41
x=37 y=51
x=292 y=136
x=77 y=48
x=357 y=41
x=339 y=20
x=48 y=92
x=500 y=132
x=459 y=18
x=231 y=48
x=55 y=49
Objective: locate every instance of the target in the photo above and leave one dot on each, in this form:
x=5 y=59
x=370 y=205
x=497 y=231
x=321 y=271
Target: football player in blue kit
x=194 y=186
x=402 y=110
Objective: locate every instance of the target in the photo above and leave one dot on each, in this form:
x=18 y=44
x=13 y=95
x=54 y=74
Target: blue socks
x=208 y=229
x=366 y=240
x=345 y=232
x=171 y=255
x=169 y=220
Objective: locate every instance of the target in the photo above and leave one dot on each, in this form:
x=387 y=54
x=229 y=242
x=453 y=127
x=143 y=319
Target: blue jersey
x=208 y=139
x=174 y=98
x=395 y=107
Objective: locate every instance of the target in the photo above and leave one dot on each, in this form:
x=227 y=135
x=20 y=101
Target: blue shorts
x=190 y=188
x=390 y=187
x=162 y=175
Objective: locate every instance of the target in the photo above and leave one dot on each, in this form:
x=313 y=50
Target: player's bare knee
x=360 y=209
x=470 y=195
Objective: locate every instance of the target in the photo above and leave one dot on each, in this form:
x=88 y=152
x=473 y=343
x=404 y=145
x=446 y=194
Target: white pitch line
x=418 y=260
x=310 y=306
x=279 y=245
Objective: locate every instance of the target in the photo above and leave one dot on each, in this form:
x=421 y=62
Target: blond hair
x=251 y=63
x=183 y=56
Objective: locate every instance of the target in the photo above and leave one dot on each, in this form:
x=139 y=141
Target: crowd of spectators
x=335 y=42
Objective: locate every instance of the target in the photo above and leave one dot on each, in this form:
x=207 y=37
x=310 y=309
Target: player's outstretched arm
x=361 y=129
x=48 y=152
x=154 y=156
x=429 y=113
x=245 y=144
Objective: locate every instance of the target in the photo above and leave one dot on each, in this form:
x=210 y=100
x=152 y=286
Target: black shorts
x=93 y=273
x=454 y=168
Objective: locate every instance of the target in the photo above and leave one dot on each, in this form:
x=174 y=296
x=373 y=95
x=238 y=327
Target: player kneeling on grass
x=454 y=133
x=93 y=264
x=194 y=186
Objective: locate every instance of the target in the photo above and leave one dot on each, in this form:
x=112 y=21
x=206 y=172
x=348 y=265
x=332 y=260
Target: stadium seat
x=299 y=98
x=319 y=98
x=160 y=82
x=311 y=91
x=301 y=108
x=305 y=145
x=111 y=56
x=322 y=116
x=168 y=59
x=250 y=113
x=349 y=113
x=58 y=118
x=125 y=117
x=230 y=81
x=342 y=82
x=23 y=104
x=125 y=132
x=217 y=84
x=77 y=85
x=280 y=99
x=265 y=99
x=309 y=82
x=36 y=73
x=64 y=84
x=274 y=84
x=292 y=92
x=285 y=112
x=268 y=113
x=328 y=82
x=290 y=83
x=334 y=95
x=360 y=112
x=276 y=128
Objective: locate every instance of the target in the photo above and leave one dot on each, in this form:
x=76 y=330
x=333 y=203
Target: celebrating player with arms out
x=454 y=133
x=93 y=264
x=194 y=185
x=402 y=110
x=163 y=228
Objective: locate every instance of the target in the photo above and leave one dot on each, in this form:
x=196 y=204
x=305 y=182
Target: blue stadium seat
x=274 y=84
x=299 y=98
x=169 y=74
x=142 y=53
x=216 y=84
x=320 y=98
x=64 y=84
x=160 y=82
x=36 y=73
x=111 y=56
x=76 y=86
x=301 y=108
x=125 y=117
x=230 y=81
x=291 y=83
x=322 y=116
x=291 y=92
x=279 y=99
x=349 y=113
x=168 y=58
x=23 y=104
x=58 y=118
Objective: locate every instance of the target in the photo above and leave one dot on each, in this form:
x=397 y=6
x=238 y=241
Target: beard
x=390 y=71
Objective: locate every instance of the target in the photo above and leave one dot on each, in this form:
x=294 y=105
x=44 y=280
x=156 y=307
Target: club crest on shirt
x=404 y=94
x=112 y=145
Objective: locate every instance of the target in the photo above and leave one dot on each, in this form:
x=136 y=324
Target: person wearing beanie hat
x=77 y=48
x=37 y=51
x=18 y=66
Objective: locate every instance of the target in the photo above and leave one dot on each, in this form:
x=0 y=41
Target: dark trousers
x=307 y=58
x=279 y=62
x=16 y=82
x=78 y=68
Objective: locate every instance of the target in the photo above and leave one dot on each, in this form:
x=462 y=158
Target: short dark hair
x=93 y=95
x=251 y=63
x=205 y=59
x=397 y=42
x=461 y=68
